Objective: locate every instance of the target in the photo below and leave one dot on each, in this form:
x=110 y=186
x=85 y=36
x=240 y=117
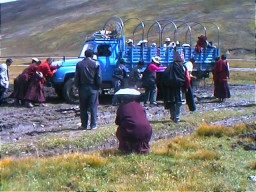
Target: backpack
x=174 y=75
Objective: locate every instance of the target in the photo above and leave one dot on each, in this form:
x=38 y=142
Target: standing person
x=135 y=75
x=134 y=130
x=35 y=91
x=118 y=79
x=4 y=78
x=189 y=93
x=149 y=80
x=174 y=79
x=220 y=76
x=21 y=82
x=189 y=65
x=87 y=80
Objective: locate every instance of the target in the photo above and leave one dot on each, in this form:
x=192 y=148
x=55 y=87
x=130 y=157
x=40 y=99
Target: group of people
x=134 y=130
x=29 y=85
x=136 y=79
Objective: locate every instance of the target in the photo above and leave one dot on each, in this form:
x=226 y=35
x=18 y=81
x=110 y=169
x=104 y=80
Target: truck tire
x=70 y=91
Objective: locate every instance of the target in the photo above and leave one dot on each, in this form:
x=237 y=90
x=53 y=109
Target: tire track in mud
x=20 y=124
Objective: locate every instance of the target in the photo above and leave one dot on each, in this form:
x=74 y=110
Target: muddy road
x=22 y=125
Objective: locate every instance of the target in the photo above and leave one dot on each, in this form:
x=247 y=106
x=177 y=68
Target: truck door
x=107 y=59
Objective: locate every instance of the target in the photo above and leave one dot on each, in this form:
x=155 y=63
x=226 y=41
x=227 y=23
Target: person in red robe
x=21 y=82
x=134 y=130
x=35 y=91
x=201 y=43
x=220 y=76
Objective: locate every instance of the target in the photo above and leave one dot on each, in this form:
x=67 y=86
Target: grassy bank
x=211 y=159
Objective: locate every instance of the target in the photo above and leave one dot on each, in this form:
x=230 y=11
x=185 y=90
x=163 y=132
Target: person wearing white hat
x=142 y=43
x=129 y=42
x=35 y=59
x=167 y=42
x=4 y=78
x=134 y=130
x=149 y=80
x=21 y=83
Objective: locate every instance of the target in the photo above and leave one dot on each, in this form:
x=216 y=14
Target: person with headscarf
x=134 y=130
x=174 y=79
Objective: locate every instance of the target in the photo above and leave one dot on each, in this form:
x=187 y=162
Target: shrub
x=211 y=130
x=204 y=154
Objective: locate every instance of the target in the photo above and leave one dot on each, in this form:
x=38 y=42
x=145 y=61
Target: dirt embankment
x=21 y=124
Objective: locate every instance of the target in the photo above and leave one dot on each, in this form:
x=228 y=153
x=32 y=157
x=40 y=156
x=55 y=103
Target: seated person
x=130 y=43
x=134 y=130
x=142 y=43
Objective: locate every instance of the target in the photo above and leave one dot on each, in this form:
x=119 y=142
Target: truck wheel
x=70 y=91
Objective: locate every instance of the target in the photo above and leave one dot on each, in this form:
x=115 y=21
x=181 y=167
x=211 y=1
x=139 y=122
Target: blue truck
x=110 y=45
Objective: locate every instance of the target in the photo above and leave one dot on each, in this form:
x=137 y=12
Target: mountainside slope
x=57 y=27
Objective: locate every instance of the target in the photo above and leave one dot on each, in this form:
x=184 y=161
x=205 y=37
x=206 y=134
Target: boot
x=29 y=104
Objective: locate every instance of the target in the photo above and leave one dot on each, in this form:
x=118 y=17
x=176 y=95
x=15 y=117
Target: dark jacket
x=87 y=73
x=119 y=74
x=149 y=78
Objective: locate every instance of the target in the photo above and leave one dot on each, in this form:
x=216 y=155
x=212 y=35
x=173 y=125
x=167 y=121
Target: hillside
x=58 y=27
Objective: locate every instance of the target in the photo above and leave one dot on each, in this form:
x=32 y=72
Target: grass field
x=208 y=159
x=212 y=158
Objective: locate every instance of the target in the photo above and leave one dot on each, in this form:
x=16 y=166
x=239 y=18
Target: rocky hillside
x=58 y=27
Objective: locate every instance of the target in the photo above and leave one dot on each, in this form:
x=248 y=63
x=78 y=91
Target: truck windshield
x=104 y=50
x=87 y=45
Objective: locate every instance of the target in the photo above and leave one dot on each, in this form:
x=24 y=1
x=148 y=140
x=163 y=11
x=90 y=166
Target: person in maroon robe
x=201 y=43
x=35 y=91
x=220 y=76
x=21 y=82
x=134 y=130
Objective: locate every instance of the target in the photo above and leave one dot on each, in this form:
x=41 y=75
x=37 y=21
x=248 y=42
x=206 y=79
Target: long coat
x=134 y=130
x=21 y=82
x=220 y=77
x=35 y=91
